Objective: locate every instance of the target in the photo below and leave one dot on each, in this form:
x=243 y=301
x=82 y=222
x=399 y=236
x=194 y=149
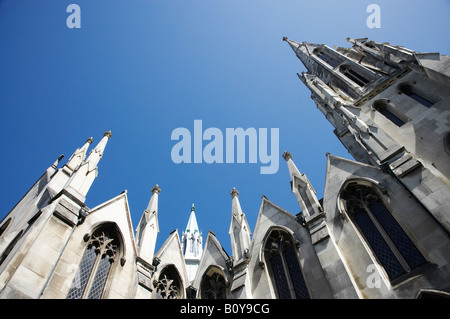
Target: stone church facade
x=381 y=229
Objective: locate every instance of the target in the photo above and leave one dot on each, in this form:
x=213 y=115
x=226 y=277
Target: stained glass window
x=213 y=286
x=83 y=274
x=391 y=245
x=95 y=266
x=169 y=284
x=281 y=255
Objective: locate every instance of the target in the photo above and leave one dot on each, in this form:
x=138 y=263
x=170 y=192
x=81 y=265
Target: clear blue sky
x=143 y=68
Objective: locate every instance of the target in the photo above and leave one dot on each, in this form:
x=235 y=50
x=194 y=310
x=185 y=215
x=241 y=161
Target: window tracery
x=281 y=256
x=391 y=245
x=91 y=277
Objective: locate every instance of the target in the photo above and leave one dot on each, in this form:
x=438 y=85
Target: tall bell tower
x=390 y=107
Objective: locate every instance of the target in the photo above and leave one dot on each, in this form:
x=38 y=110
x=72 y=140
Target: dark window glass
x=355 y=77
x=383 y=108
x=378 y=245
x=298 y=281
x=403 y=243
x=392 y=246
x=415 y=95
x=213 y=287
x=10 y=247
x=100 y=278
x=286 y=274
x=280 y=277
x=328 y=59
x=83 y=274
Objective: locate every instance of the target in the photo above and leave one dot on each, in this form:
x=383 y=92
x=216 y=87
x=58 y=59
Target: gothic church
x=381 y=229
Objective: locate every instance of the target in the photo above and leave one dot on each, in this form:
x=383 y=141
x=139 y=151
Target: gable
x=115 y=210
x=170 y=253
x=213 y=255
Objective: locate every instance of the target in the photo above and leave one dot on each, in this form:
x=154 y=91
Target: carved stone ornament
x=156 y=189
x=287 y=156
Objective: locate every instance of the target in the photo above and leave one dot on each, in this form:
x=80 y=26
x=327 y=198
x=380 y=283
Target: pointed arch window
x=393 y=248
x=169 y=284
x=280 y=254
x=4 y=255
x=5 y=226
x=386 y=109
x=101 y=251
x=213 y=286
x=416 y=95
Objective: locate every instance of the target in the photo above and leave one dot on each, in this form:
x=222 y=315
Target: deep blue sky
x=143 y=68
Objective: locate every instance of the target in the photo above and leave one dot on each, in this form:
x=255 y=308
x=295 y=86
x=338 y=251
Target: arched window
x=4 y=255
x=281 y=257
x=10 y=247
x=5 y=226
x=213 y=286
x=391 y=245
x=169 y=284
x=416 y=95
x=354 y=76
x=101 y=251
x=386 y=109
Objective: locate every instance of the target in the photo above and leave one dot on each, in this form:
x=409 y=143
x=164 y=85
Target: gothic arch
x=112 y=226
x=416 y=94
x=362 y=181
x=214 y=284
x=104 y=248
x=385 y=108
x=280 y=258
x=365 y=205
x=169 y=284
x=266 y=236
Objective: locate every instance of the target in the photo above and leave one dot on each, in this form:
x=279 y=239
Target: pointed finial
x=156 y=189
x=285 y=38
x=55 y=164
x=193 y=208
x=108 y=134
x=234 y=192
x=90 y=140
x=287 y=156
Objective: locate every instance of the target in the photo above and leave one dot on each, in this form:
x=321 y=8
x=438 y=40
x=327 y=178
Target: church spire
x=96 y=154
x=78 y=156
x=191 y=245
x=148 y=228
x=192 y=225
x=239 y=230
x=340 y=81
x=87 y=171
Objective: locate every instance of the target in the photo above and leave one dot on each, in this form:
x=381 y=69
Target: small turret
x=148 y=228
x=239 y=230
